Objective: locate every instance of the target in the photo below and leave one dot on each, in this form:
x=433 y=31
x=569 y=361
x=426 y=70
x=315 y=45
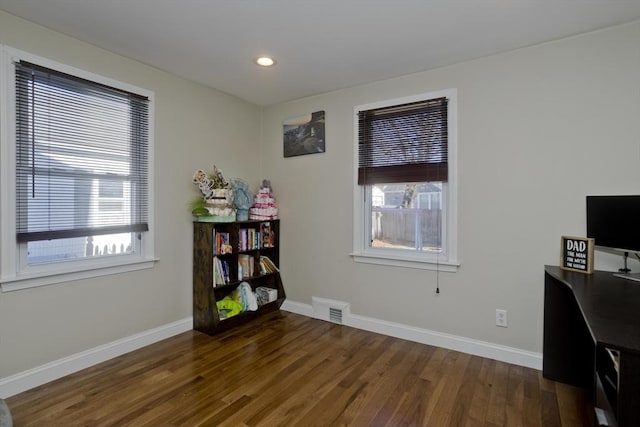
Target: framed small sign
x=576 y=254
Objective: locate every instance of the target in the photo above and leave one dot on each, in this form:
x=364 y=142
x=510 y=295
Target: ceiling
x=319 y=46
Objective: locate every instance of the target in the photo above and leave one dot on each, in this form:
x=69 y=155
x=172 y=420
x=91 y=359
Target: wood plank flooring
x=290 y=370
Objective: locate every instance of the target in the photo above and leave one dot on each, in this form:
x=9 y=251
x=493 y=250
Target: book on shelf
x=222 y=243
x=225 y=272
x=220 y=272
x=246 y=265
x=267 y=235
x=267 y=266
x=217 y=277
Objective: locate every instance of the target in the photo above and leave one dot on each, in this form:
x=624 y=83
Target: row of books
x=222 y=244
x=251 y=238
x=267 y=266
x=246 y=268
x=248 y=239
x=221 y=274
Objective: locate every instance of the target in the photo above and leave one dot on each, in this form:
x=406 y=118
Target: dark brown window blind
x=403 y=143
x=75 y=137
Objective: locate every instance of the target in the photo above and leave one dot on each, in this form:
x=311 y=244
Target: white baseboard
x=298 y=308
x=486 y=349
x=39 y=375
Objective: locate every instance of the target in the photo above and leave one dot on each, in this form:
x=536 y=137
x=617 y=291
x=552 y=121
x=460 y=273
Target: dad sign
x=576 y=254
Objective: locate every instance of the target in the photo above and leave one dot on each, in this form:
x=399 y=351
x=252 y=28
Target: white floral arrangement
x=217 y=194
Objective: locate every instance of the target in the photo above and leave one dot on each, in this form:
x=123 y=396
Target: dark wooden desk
x=587 y=318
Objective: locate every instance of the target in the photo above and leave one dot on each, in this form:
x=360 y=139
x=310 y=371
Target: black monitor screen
x=614 y=221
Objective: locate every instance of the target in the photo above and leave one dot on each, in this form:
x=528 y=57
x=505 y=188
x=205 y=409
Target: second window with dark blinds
x=403 y=143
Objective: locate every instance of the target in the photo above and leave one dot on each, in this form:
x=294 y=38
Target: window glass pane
x=110 y=188
x=48 y=251
x=407 y=216
x=393 y=228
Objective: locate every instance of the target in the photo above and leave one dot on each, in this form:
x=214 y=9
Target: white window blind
x=77 y=141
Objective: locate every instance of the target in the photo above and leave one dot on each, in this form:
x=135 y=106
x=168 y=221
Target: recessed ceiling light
x=265 y=61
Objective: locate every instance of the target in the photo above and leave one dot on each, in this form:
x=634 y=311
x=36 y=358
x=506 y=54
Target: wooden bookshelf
x=218 y=249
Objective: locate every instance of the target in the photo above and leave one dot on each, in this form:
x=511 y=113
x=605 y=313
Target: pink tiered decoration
x=264 y=205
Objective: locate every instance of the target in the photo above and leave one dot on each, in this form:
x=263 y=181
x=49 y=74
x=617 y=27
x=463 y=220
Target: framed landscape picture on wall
x=304 y=134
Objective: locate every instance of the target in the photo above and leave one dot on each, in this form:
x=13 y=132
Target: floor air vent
x=330 y=310
x=335 y=315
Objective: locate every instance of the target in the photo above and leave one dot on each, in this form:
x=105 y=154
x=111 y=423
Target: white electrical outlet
x=501 y=318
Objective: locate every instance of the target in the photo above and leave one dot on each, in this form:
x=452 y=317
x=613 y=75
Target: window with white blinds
x=74 y=138
x=75 y=181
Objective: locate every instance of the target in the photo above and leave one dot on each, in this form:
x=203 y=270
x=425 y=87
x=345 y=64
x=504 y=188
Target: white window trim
x=448 y=262
x=12 y=275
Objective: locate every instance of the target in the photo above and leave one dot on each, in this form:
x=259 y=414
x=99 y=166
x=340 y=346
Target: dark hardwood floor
x=291 y=370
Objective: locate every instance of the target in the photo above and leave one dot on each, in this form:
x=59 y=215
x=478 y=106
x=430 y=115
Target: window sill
x=8 y=284
x=395 y=260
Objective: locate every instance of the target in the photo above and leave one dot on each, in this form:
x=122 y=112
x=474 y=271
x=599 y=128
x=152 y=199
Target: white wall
x=539 y=128
x=195 y=127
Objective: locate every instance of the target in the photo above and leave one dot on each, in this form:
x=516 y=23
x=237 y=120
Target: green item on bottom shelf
x=228 y=308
